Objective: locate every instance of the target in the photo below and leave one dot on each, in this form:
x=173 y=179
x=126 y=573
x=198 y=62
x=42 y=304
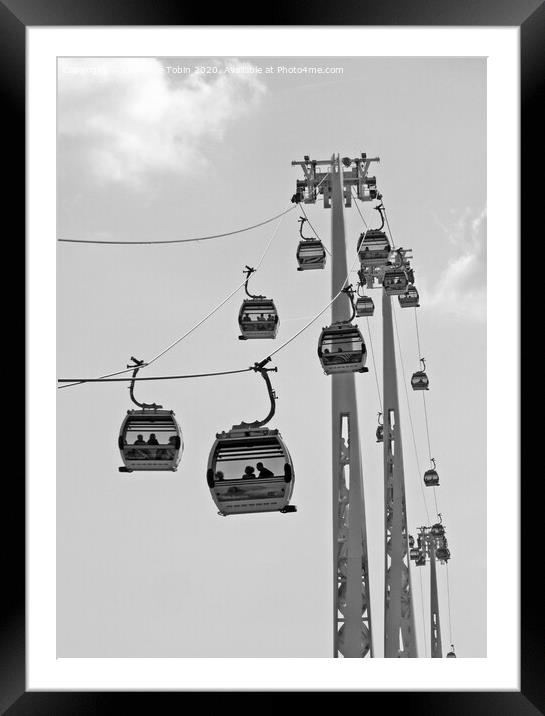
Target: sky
x=146 y=151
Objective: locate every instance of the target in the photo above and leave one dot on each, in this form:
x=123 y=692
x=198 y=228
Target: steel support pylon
x=435 y=626
x=399 y=629
x=351 y=599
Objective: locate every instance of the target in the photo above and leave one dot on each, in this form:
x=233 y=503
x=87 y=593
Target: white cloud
x=461 y=287
x=130 y=117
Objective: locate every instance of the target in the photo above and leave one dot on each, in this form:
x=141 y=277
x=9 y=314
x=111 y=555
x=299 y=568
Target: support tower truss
x=399 y=627
x=352 y=635
x=428 y=545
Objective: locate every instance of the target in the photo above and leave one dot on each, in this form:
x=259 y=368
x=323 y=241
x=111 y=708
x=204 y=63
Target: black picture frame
x=529 y=15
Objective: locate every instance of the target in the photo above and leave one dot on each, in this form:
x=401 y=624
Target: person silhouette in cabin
x=249 y=473
x=264 y=471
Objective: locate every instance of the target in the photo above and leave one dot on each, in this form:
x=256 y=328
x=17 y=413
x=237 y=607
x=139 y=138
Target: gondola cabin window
x=250 y=473
x=310 y=255
x=150 y=440
x=250 y=460
x=258 y=319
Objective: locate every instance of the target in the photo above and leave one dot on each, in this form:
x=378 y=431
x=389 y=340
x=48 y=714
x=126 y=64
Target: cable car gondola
x=374 y=248
x=380 y=430
x=369 y=189
x=258 y=317
x=249 y=468
x=395 y=281
x=311 y=253
x=410 y=298
x=442 y=554
x=150 y=438
x=341 y=347
x=431 y=478
x=437 y=529
x=364 y=306
x=420 y=380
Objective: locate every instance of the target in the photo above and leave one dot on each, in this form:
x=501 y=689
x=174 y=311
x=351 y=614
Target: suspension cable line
x=313 y=229
x=417 y=334
x=427 y=428
x=107 y=379
x=182 y=241
x=159 y=355
x=358 y=208
x=295 y=335
x=374 y=364
x=430 y=454
x=259 y=264
x=410 y=416
x=388 y=225
x=187 y=333
x=429 y=446
x=77 y=381
x=268 y=246
x=199 y=323
x=193 y=328
x=302 y=206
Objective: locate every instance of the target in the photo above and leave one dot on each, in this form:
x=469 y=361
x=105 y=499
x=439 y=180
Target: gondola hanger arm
x=361 y=283
x=380 y=209
x=302 y=220
x=249 y=271
x=260 y=368
x=139 y=364
x=349 y=291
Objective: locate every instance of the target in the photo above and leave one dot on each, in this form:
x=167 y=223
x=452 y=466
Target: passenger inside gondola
x=150 y=440
x=395 y=281
x=419 y=380
x=168 y=452
x=234 y=464
x=399 y=257
x=260 y=318
x=310 y=254
x=146 y=446
x=264 y=471
x=345 y=350
x=137 y=454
